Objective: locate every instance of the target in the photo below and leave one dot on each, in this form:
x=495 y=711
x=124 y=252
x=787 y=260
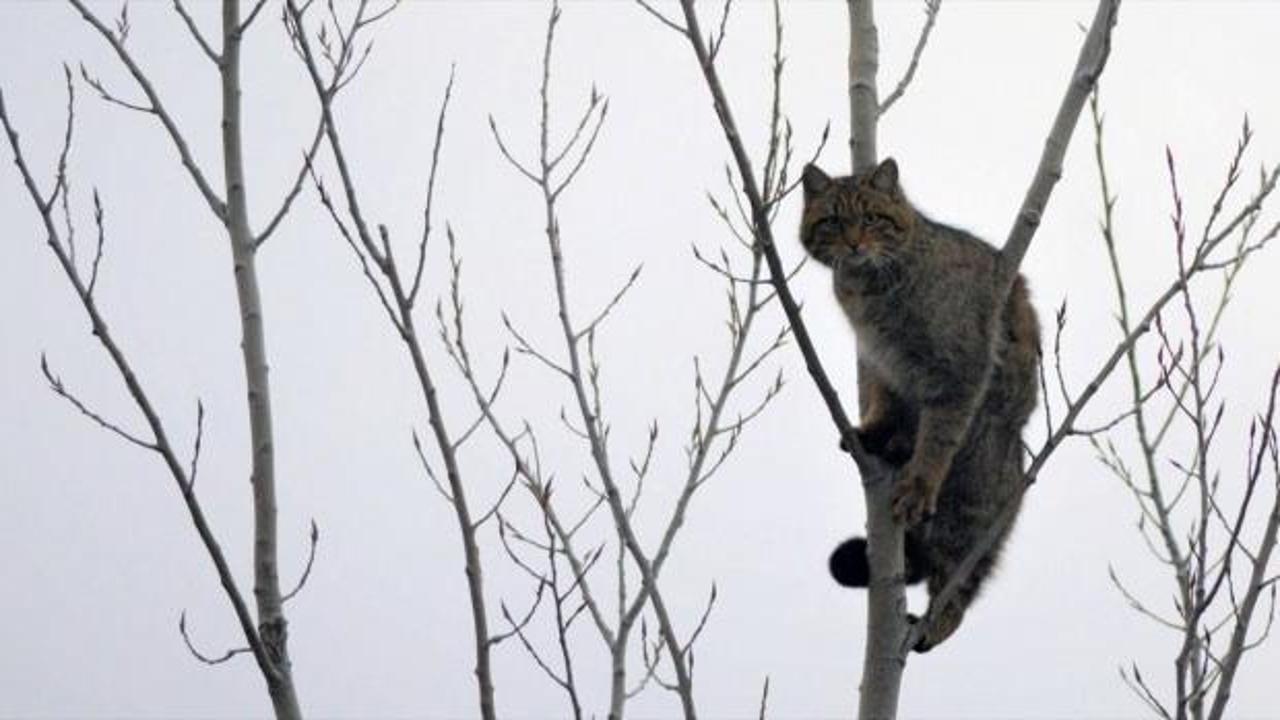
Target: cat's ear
x=885 y=177
x=814 y=180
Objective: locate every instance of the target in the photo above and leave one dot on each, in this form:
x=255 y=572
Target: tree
x=266 y=634
x=607 y=611
x=1185 y=521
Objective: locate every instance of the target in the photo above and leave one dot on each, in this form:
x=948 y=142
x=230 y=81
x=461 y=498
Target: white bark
x=1089 y=66
x=864 y=64
x=883 y=658
x=272 y=625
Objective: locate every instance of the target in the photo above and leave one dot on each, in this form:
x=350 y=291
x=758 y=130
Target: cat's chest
x=891 y=337
x=880 y=349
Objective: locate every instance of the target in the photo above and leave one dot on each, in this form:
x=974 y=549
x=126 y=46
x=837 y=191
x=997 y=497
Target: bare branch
x=431 y=186
x=417 y=446
x=308 y=156
x=399 y=291
x=61 y=182
x=306 y=571
x=586 y=151
x=101 y=240
x=497 y=504
x=56 y=385
x=931 y=8
x=195 y=453
x=593 y=101
x=715 y=41
x=523 y=346
x=1138 y=605
x=154 y=106
x=497 y=138
x=600 y=317
x=110 y=97
x=518 y=630
x=360 y=251
x=764 y=698
x=1093 y=58
x=1139 y=687
x=702 y=622
x=207 y=660
x=140 y=398
x=253 y=14
x=195 y=31
x=518 y=627
x=662 y=18
x=1239 y=635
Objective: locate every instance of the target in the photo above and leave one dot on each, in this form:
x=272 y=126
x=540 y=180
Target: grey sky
x=101 y=558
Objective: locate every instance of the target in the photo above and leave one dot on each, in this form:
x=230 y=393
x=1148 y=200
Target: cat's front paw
x=915 y=496
x=897 y=449
x=883 y=441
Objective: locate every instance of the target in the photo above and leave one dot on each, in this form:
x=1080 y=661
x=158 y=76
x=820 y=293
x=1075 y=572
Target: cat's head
x=864 y=218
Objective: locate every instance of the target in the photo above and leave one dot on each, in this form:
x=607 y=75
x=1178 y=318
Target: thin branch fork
x=590 y=413
x=1238 y=642
x=231 y=211
x=399 y=296
x=196 y=35
x=160 y=442
x=156 y=107
x=457 y=349
x=1198 y=579
x=1157 y=510
x=764 y=238
x=588 y=399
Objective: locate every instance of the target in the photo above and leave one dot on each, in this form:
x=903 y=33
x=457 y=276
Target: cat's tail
x=849 y=566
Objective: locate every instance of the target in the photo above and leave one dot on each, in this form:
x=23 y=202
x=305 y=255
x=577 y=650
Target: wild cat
x=933 y=347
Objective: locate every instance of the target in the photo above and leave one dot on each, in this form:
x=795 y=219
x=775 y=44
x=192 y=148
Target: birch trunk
x=272 y=626
x=864 y=64
x=883 y=654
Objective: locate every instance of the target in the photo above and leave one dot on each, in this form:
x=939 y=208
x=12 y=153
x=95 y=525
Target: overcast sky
x=101 y=558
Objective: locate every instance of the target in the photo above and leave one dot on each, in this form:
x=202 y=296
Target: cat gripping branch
x=920 y=297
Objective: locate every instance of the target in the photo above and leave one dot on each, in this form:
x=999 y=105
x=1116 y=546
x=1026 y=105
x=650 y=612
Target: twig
x=195 y=453
x=143 y=402
x=56 y=385
x=306 y=571
x=195 y=31
x=431 y=186
x=206 y=659
x=764 y=698
x=308 y=156
x=397 y=299
x=931 y=8
x=156 y=107
x=662 y=18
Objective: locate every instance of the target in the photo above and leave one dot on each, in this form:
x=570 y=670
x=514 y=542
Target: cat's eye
x=828 y=227
x=879 y=222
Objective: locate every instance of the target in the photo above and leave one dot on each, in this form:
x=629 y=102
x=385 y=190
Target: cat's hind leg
x=945 y=620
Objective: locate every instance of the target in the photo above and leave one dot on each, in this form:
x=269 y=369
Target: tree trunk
x=272 y=626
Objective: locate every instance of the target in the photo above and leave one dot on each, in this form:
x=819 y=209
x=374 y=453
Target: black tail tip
x=848 y=563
